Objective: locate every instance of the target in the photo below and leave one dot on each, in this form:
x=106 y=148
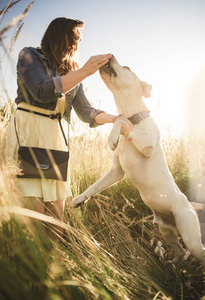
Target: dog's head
x=118 y=78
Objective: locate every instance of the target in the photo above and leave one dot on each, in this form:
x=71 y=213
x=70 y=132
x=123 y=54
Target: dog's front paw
x=113 y=140
x=114 y=136
x=77 y=201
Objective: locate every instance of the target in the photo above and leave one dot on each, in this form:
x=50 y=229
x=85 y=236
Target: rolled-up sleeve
x=58 y=85
x=31 y=72
x=83 y=108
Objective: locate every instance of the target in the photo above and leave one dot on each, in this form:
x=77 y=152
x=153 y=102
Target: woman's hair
x=60 y=43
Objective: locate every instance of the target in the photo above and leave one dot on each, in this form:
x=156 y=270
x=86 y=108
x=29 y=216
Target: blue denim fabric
x=39 y=85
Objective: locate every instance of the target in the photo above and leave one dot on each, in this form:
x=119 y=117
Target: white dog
x=143 y=161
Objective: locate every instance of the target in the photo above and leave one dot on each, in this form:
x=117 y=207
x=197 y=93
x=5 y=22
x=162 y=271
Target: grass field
x=110 y=248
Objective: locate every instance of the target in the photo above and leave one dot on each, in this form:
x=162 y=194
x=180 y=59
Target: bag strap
x=52 y=116
x=16 y=131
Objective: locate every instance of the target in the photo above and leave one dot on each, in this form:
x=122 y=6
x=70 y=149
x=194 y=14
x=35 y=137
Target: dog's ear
x=146 y=89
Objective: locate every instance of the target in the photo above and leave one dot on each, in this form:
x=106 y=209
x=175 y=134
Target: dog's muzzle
x=108 y=68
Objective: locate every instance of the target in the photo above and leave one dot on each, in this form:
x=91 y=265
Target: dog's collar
x=135 y=119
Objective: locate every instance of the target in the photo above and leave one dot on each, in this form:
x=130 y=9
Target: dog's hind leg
x=172 y=239
x=115 y=174
x=189 y=228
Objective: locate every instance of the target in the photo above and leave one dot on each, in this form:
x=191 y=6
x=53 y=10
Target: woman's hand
x=71 y=79
x=95 y=63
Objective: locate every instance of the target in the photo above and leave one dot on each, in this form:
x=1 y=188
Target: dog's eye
x=127 y=68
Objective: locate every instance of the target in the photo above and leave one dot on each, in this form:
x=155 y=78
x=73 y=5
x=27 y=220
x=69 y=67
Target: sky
x=162 y=41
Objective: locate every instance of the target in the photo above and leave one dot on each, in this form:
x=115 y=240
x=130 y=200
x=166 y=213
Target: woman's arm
x=198 y=206
x=104 y=118
x=95 y=117
x=73 y=78
x=32 y=74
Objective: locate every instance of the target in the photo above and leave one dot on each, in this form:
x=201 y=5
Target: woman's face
x=77 y=38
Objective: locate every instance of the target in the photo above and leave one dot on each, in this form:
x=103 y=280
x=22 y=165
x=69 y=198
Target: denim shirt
x=39 y=85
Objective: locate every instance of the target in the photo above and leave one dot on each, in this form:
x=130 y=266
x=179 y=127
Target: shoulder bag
x=42 y=163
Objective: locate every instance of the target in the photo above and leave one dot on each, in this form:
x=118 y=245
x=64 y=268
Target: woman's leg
x=56 y=210
x=53 y=208
x=34 y=203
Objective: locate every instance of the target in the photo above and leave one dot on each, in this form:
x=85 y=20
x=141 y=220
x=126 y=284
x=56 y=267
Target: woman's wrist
x=115 y=118
x=71 y=79
x=198 y=206
x=201 y=206
x=104 y=118
x=84 y=72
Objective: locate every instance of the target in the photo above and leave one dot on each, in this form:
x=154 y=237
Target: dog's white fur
x=143 y=161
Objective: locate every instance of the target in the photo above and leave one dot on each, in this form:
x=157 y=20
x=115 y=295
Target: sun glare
x=178 y=96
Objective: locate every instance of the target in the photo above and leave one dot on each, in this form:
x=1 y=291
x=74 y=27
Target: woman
x=49 y=82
